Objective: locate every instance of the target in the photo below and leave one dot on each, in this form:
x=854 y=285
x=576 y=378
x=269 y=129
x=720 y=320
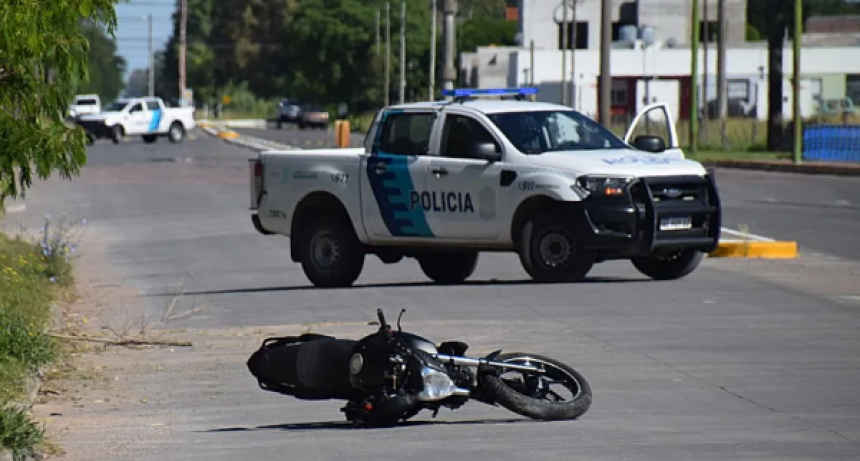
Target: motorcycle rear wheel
x=526 y=400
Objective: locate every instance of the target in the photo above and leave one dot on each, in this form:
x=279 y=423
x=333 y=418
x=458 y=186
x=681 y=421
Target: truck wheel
x=448 y=268
x=150 y=138
x=549 y=251
x=671 y=267
x=116 y=134
x=331 y=254
x=176 y=132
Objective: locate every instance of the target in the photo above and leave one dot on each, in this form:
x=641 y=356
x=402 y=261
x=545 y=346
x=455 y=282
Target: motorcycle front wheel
x=530 y=394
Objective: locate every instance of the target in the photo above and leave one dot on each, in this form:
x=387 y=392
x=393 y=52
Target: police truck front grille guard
x=705 y=200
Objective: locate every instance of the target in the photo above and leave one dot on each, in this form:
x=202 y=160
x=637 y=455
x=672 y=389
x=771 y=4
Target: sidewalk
x=788 y=166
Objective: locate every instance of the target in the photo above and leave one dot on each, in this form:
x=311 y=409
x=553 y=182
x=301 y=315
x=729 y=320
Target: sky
x=132 y=33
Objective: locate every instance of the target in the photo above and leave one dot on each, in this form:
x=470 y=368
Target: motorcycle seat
x=322 y=366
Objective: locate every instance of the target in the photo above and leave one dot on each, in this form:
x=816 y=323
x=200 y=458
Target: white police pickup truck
x=146 y=117
x=442 y=181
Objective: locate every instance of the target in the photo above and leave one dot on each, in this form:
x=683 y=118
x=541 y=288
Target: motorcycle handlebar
x=381 y=318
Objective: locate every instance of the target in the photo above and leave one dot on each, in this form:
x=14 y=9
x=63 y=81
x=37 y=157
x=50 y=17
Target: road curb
x=755 y=249
x=786 y=167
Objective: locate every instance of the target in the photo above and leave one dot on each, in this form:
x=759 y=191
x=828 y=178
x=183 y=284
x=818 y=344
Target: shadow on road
x=341 y=425
x=480 y=283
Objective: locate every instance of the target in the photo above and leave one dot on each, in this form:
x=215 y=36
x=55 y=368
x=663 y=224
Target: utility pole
x=605 y=56
x=402 y=52
x=722 y=85
x=563 y=51
x=432 y=89
x=151 y=61
x=706 y=67
x=573 y=87
x=795 y=98
x=448 y=47
x=387 y=52
x=183 y=44
x=378 y=51
x=694 y=78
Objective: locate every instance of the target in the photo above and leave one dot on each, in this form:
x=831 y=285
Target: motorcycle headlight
x=356 y=363
x=602 y=185
x=437 y=385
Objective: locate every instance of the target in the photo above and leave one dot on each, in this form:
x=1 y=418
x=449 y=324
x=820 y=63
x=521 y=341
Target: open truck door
x=655 y=136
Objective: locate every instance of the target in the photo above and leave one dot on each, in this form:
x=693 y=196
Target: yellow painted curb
x=228 y=134
x=753 y=249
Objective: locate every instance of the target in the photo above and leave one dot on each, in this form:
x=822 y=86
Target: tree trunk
x=775 y=44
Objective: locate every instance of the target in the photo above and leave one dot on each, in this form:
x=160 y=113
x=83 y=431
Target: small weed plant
x=32 y=273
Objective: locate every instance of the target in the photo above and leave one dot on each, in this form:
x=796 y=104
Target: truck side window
x=136 y=108
x=459 y=132
x=152 y=105
x=407 y=133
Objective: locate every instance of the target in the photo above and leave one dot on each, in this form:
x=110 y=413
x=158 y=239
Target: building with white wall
x=543 y=22
x=651 y=59
x=646 y=75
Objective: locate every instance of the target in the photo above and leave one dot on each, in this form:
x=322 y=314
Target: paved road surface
x=753 y=360
x=821 y=212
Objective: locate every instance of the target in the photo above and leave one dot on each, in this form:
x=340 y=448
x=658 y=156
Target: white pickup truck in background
x=442 y=181
x=148 y=117
x=85 y=104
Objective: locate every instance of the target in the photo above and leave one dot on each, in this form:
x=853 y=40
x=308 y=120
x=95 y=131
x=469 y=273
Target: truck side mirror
x=486 y=150
x=653 y=144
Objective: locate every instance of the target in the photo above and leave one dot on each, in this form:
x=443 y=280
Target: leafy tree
x=105 y=67
x=484 y=31
x=138 y=83
x=774 y=18
x=44 y=51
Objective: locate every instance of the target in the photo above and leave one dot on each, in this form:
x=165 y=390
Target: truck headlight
x=437 y=385
x=602 y=185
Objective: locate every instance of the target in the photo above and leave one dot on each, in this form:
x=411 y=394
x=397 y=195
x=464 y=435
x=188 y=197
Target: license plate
x=669 y=224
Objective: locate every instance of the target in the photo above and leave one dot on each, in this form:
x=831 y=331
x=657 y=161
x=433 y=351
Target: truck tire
x=448 y=268
x=150 y=138
x=550 y=252
x=331 y=254
x=672 y=267
x=116 y=133
x=176 y=132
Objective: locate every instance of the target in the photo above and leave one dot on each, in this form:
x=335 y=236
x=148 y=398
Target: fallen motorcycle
x=390 y=376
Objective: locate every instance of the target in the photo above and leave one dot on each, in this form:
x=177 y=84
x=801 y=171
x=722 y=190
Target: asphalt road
x=753 y=360
x=822 y=213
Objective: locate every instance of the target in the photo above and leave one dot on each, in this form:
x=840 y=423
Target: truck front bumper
x=656 y=214
x=96 y=129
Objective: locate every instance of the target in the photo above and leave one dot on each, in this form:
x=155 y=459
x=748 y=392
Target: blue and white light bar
x=466 y=92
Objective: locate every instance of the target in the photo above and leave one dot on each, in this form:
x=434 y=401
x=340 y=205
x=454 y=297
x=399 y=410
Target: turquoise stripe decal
x=156 y=120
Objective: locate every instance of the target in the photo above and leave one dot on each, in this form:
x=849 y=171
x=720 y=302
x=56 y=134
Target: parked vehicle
x=289 y=111
x=443 y=181
x=314 y=116
x=85 y=104
x=391 y=376
x=146 y=117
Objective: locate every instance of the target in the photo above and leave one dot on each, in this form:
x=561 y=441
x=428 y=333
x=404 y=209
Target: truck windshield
x=536 y=132
x=117 y=106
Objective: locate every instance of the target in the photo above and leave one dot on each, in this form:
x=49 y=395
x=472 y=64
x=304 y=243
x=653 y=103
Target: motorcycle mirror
x=398 y=319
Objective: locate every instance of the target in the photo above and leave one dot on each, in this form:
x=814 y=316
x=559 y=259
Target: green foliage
x=44 y=53
x=18 y=433
x=104 y=66
x=484 y=31
x=321 y=51
x=30 y=276
x=752 y=34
